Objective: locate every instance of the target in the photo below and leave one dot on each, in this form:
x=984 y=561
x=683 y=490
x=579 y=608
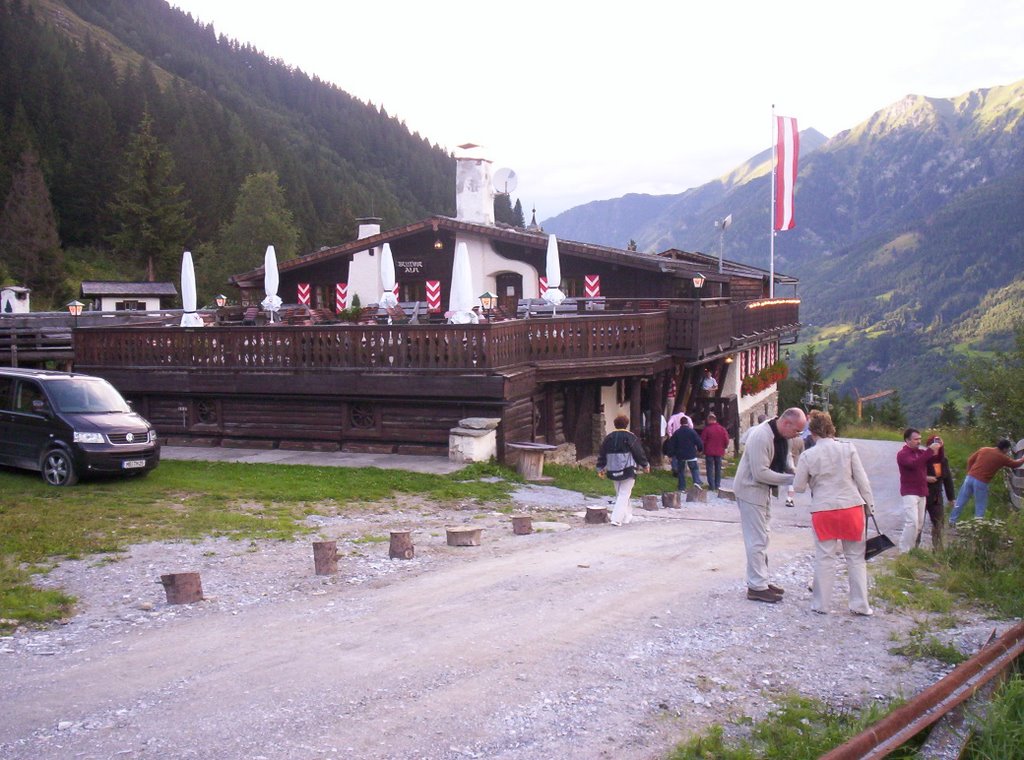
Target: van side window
x=28 y=397
x=6 y=386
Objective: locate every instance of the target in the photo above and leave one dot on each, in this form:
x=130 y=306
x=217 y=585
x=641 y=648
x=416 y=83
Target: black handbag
x=877 y=544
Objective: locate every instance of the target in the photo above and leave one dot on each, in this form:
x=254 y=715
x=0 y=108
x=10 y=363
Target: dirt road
x=576 y=641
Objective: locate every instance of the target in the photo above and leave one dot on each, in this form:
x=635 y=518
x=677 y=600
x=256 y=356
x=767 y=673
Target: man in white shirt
x=765 y=465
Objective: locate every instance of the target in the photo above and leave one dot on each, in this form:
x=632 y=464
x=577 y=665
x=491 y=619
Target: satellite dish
x=505 y=181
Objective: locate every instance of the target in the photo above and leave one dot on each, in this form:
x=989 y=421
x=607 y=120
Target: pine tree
x=261 y=217
x=29 y=245
x=517 y=212
x=997 y=385
x=152 y=221
x=891 y=413
x=949 y=415
x=503 y=213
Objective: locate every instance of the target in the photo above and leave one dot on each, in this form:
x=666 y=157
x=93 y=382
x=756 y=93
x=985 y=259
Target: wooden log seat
x=401 y=545
x=464 y=536
x=182 y=588
x=325 y=557
x=597 y=515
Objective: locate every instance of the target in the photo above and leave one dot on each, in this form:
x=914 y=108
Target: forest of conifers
x=122 y=104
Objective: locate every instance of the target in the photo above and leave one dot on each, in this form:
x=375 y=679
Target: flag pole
x=771 y=220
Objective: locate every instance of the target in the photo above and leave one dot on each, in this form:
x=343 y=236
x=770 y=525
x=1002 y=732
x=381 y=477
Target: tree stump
x=650 y=503
x=670 y=500
x=464 y=536
x=325 y=557
x=401 y=545
x=182 y=588
x=596 y=515
x=696 y=494
x=522 y=525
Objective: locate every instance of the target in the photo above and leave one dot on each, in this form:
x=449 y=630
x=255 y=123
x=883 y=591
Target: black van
x=66 y=425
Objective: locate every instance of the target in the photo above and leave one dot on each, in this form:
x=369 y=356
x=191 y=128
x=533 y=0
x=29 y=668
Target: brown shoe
x=775 y=589
x=766 y=595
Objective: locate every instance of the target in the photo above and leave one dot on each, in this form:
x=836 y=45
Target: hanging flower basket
x=764 y=378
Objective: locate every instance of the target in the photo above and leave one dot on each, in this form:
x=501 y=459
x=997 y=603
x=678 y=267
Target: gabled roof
x=94 y=288
x=728 y=267
x=526 y=238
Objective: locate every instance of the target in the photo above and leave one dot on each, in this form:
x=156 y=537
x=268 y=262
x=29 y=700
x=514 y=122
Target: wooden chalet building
x=634 y=336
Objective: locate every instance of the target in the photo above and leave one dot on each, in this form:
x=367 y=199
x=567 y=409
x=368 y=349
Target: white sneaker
x=616 y=523
x=789 y=503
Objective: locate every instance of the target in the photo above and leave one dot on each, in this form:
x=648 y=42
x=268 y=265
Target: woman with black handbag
x=621 y=453
x=840 y=498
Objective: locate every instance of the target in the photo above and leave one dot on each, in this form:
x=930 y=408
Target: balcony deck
x=691 y=330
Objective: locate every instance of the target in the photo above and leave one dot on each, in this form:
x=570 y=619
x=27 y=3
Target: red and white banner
x=592 y=285
x=543 y=286
x=304 y=293
x=433 y=295
x=395 y=290
x=787 y=151
x=340 y=296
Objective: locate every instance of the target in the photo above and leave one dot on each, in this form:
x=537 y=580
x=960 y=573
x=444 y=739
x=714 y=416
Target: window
x=6 y=384
x=28 y=397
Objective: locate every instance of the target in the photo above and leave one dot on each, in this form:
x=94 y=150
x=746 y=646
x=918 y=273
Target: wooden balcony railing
x=443 y=347
x=699 y=329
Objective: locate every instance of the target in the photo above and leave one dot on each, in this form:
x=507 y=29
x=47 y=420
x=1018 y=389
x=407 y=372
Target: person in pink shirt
x=716 y=440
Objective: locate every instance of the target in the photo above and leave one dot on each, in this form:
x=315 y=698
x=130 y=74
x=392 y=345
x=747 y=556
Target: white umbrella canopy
x=462 y=300
x=553 y=295
x=271 y=279
x=188 y=292
x=387 y=277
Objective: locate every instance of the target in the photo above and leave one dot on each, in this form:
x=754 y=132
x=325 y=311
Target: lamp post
x=487 y=303
x=220 y=299
x=698 y=282
x=74 y=309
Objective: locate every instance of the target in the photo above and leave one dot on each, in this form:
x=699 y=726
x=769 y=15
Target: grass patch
x=190 y=501
x=1000 y=733
x=923 y=644
x=801 y=729
x=585 y=481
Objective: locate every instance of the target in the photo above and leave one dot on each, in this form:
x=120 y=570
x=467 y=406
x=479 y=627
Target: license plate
x=131 y=464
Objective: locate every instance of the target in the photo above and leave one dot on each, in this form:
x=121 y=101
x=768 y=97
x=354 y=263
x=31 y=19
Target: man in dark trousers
x=716 y=440
x=684 y=446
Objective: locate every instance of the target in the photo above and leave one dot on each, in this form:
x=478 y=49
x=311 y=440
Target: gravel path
x=576 y=641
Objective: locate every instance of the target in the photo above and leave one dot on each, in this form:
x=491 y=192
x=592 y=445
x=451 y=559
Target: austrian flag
x=787 y=150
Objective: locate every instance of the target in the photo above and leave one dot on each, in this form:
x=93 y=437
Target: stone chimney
x=368 y=226
x=474 y=193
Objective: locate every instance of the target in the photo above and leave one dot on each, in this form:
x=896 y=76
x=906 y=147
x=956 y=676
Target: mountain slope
x=909 y=237
x=77 y=75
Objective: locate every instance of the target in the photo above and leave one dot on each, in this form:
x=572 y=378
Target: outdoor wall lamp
x=698 y=280
x=438 y=245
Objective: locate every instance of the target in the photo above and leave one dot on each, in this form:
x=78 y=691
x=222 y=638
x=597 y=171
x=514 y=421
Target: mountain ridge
x=908 y=227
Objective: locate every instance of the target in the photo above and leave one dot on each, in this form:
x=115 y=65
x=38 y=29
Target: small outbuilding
x=129 y=296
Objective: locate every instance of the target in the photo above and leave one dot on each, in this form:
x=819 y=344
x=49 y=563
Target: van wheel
x=58 y=469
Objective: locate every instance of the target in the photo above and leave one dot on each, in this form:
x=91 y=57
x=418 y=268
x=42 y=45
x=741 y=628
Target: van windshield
x=82 y=395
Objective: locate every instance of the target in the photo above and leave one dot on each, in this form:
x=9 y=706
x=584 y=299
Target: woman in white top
x=840 y=499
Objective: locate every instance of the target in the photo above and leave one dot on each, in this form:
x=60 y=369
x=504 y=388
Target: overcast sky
x=587 y=102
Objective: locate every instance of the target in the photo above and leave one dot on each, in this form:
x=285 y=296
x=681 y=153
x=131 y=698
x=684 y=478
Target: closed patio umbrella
x=271 y=279
x=387 y=277
x=553 y=295
x=189 y=318
x=461 y=301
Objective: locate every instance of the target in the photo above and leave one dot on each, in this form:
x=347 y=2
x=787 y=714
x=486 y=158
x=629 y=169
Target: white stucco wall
x=612 y=408
x=486 y=263
x=109 y=303
x=474 y=193
x=9 y=298
x=363 y=274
